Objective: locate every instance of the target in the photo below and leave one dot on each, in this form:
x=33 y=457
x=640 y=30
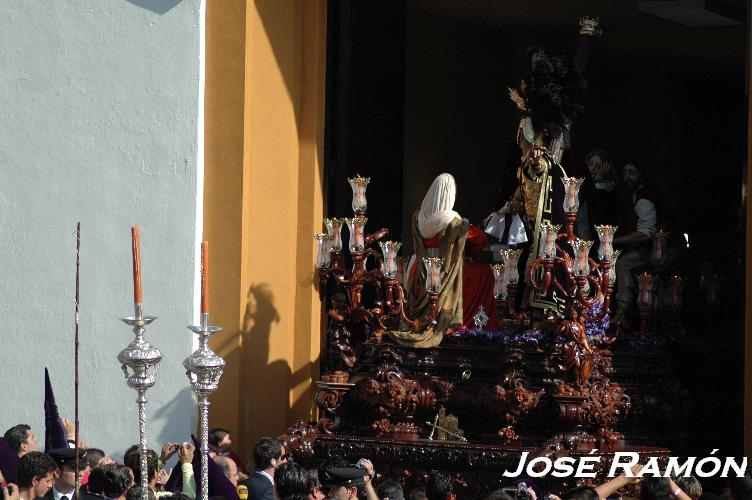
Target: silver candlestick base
x=139 y=362
x=204 y=369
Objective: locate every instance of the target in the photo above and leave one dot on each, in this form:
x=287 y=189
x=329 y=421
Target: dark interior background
x=419 y=87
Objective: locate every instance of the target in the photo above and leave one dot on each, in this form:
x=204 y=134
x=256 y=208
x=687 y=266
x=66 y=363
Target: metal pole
x=142 y=444
x=75 y=354
x=204 y=409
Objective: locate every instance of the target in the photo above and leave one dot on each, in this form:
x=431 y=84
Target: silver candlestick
x=204 y=368
x=143 y=360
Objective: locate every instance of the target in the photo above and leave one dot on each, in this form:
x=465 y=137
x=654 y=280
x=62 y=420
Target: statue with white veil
x=439 y=231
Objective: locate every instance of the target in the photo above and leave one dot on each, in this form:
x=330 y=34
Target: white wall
x=99 y=104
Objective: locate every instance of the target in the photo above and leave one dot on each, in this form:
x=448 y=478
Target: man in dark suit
x=65 y=476
x=268 y=454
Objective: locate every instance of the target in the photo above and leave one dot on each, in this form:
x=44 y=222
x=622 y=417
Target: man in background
x=268 y=454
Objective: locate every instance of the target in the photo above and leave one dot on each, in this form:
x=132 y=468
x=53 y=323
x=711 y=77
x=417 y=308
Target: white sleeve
x=645 y=210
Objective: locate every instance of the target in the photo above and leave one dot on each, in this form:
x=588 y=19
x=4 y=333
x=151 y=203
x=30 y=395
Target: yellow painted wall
x=263 y=202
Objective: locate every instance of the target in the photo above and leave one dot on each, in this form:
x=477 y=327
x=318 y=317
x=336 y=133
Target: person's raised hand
x=635 y=470
x=368 y=466
x=69 y=426
x=168 y=450
x=185 y=453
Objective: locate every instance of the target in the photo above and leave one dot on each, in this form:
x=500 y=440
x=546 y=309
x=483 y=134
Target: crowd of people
x=51 y=475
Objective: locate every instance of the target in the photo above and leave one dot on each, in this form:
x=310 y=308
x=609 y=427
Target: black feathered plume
x=553 y=92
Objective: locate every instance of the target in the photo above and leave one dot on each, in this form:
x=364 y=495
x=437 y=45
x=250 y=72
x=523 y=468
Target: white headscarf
x=436 y=210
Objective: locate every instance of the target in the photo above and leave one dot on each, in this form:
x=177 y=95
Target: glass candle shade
x=606 y=241
x=389 y=251
x=323 y=252
x=659 y=246
x=334 y=228
x=433 y=273
x=510 y=258
x=581 y=251
x=612 y=271
x=401 y=267
x=547 y=246
x=572 y=193
x=500 y=285
x=676 y=286
x=359 y=185
x=356 y=225
x=645 y=295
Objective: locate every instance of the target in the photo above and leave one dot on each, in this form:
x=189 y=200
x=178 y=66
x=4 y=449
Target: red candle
x=204 y=277
x=136 y=243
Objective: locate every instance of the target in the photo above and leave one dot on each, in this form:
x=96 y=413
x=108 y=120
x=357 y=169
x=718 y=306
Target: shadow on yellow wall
x=263 y=202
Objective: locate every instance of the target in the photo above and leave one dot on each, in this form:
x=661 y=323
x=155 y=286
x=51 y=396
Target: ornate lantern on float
x=500 y=286
x=359 y=185
x=356 y=225
x=323 y=251
x=571 y=202
x=548 y=234
x=571 y=193
x=389 y=251
x=334 y=229
x=433 y=273
x=510 y=258
x=581 y=252
x=606 y=242
x=612 y=270
x=645 y=295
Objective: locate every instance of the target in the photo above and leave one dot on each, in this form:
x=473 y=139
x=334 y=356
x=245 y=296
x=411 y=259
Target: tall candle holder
x=582 y=280
x=388 y=310
x=140 y=360
x=204 y=368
